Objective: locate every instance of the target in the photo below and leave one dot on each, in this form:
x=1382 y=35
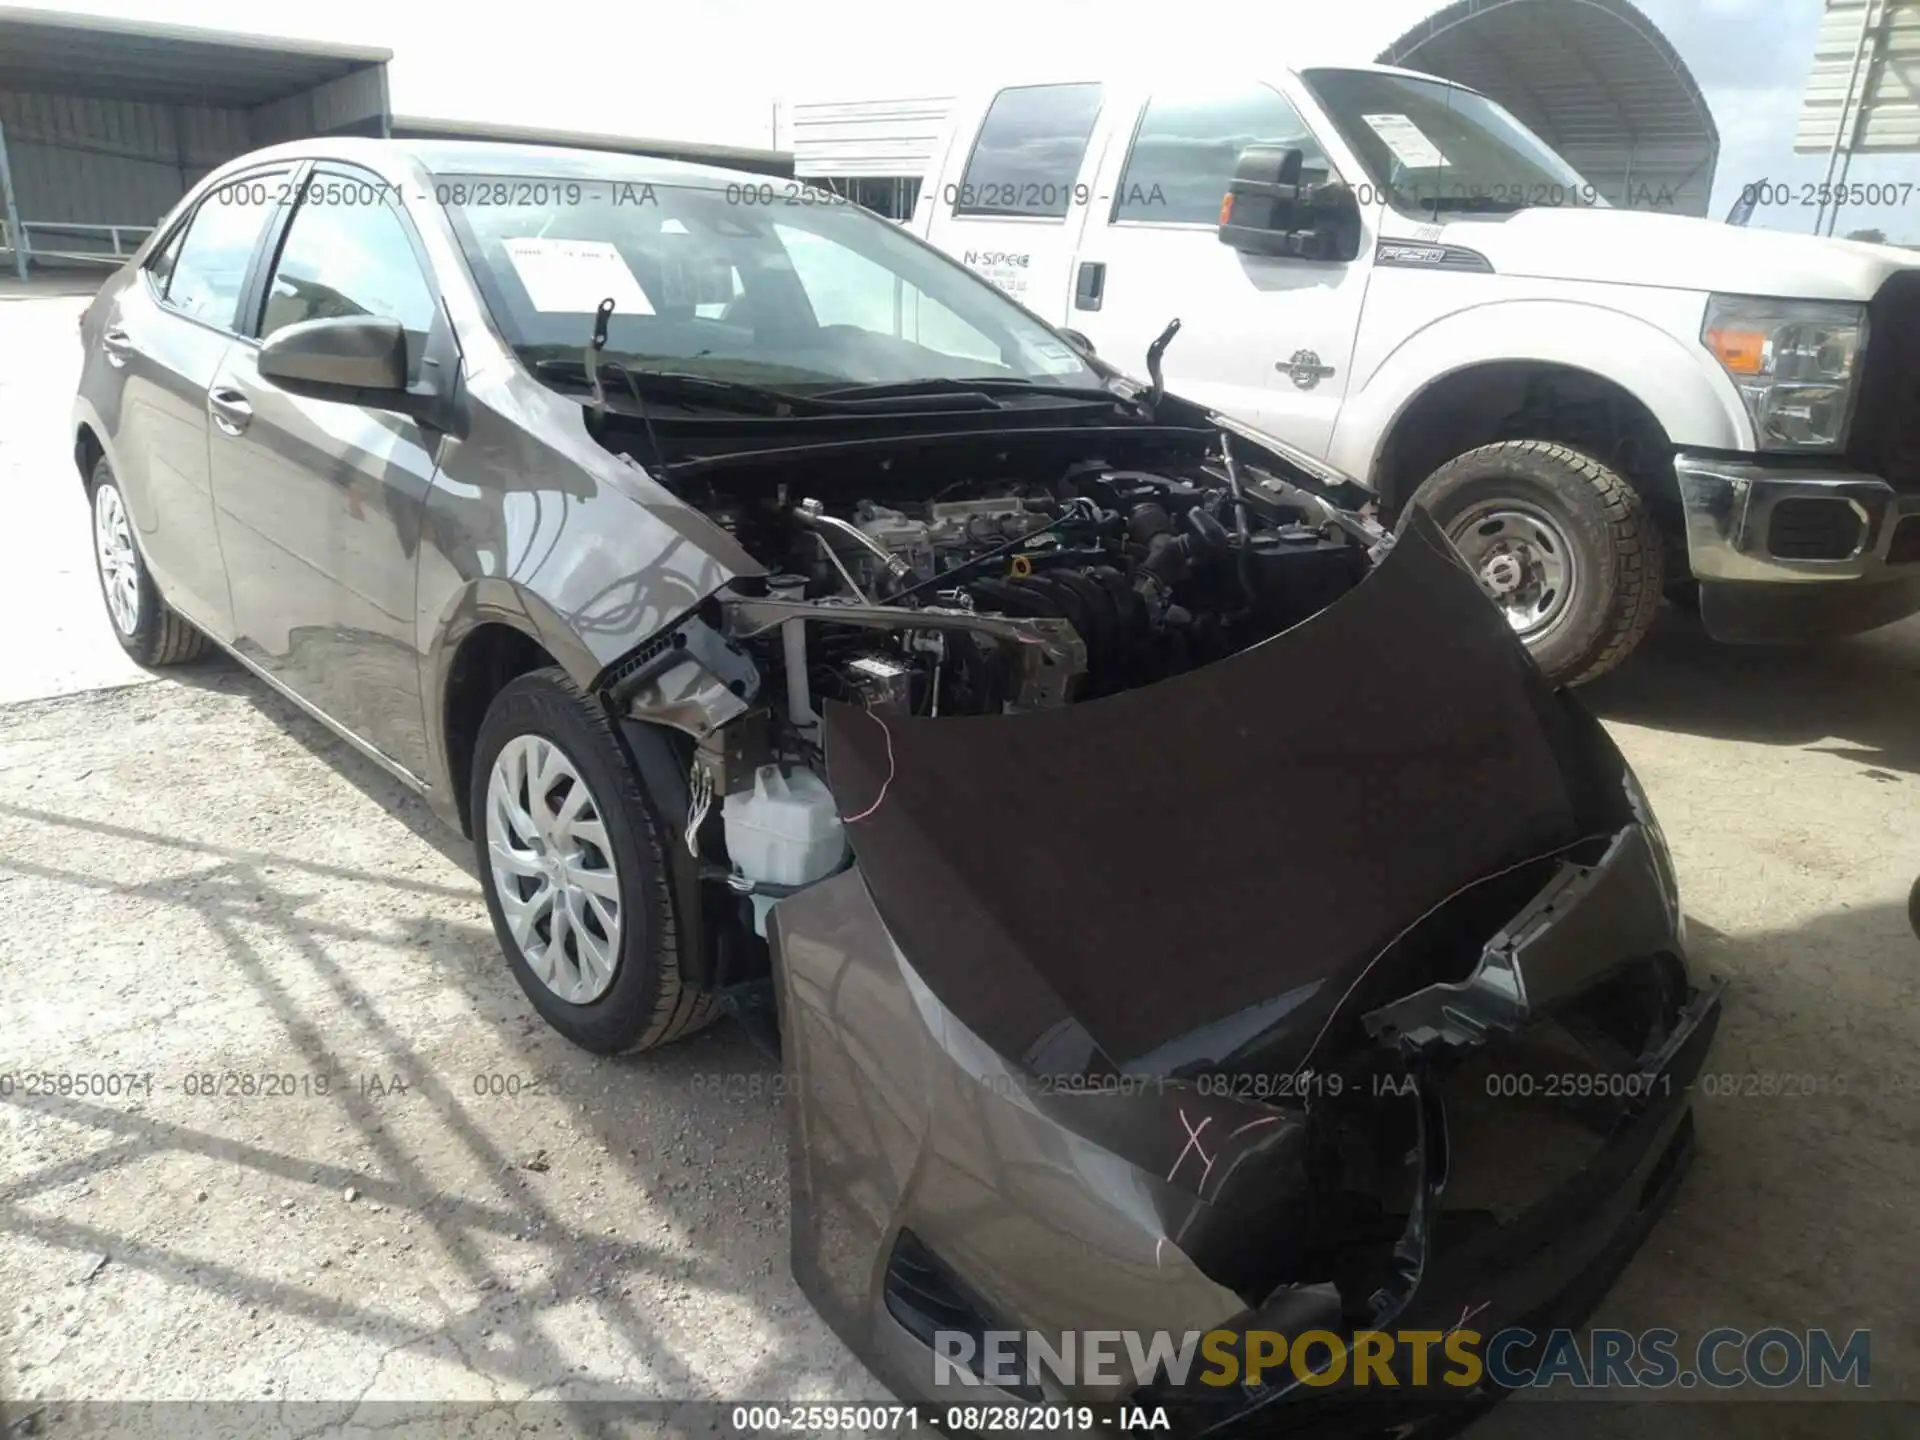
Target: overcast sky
x=712 y=69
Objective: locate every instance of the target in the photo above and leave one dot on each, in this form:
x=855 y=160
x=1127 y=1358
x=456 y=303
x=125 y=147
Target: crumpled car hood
x=1147 y=880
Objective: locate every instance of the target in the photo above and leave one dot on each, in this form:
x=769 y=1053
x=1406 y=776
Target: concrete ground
x=277 y=1127
x=46 y=553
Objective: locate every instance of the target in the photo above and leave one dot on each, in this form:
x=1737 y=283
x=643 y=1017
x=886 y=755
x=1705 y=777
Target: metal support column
x=16 y=233
x=1845 y=133
x=1875 y=58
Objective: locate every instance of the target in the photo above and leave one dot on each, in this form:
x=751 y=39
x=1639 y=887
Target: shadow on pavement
x=1857 y=698
x=223 y=675
x=695 y=1128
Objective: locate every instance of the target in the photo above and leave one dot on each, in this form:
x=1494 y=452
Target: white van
x=1599 y=403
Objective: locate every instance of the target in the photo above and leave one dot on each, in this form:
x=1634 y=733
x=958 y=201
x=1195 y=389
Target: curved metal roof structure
x=1595 y=79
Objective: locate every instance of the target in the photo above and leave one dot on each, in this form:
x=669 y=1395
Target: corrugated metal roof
x=111 y=162
x=1883 y=111
x=856 y=138
x=57 y=53
x=1596 y=79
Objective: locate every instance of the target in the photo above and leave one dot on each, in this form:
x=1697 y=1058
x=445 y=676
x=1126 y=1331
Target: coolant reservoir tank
x=785 y=831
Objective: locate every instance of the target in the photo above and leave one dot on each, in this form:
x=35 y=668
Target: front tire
x=148 y=629
x=1564 y=545
x=574 y=868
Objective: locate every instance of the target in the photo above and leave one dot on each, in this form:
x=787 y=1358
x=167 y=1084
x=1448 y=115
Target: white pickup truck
x=1391 y=273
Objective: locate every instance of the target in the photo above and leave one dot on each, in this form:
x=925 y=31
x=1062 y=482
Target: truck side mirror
x=1268 y=211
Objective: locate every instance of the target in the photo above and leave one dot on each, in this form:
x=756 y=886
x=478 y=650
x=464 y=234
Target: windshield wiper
x=988 y=385
x=895 y=397
x=679 y=385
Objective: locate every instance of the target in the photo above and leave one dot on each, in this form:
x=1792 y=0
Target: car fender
x=1681 y=385
x=532 y=525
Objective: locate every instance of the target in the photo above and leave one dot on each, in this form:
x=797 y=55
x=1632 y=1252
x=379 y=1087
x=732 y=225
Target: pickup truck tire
x=569 y=851
x=148 y=629
x=1564 y=545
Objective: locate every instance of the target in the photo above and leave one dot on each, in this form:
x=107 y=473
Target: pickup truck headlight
x=1796 y=364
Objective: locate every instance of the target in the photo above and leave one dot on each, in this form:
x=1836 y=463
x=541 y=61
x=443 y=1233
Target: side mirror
x=1268 y=211
x=355 y=352
x=355 y=360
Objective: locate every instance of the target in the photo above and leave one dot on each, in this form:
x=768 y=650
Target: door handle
x=1090 y=285
x=229 y=409
x=118 y=345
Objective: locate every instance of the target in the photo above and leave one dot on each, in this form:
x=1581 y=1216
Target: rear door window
x=1188 y=145
x=209 y=271
x=1026 y=159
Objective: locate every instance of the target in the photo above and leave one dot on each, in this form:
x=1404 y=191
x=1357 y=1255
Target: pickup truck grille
x=1814 y=530
x=1885 y=440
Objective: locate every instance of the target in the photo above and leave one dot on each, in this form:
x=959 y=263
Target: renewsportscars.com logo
x=1460 y=1359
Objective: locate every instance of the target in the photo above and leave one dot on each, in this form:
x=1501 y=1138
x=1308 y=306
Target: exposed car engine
x=977 y=582
x=1140 y=576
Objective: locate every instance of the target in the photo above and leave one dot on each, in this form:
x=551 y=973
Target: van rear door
x=1009 y=198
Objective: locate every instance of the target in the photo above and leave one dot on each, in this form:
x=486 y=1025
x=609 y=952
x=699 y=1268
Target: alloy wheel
x=119 y=562
x=552 y=868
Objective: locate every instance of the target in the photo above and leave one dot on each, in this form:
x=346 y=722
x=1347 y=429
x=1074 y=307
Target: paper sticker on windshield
x=1054 y=358
x=1408 y=141
x=575 y=276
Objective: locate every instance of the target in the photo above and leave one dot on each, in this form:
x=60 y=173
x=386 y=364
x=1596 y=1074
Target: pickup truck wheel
x=573 y=865
x=1564 y=546
x=147 y=628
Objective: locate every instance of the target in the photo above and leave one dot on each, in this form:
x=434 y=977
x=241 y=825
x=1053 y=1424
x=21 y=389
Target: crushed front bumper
x=1547 y=1269
x=1046 y=1083
x=1796 y=555
x=937 y=1188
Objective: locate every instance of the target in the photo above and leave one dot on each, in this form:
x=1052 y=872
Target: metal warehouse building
x=104 y=124
x=1596 y=79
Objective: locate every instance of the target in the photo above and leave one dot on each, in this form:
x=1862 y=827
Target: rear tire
x=1565 y=545
x=524 y=834
x=148 y=629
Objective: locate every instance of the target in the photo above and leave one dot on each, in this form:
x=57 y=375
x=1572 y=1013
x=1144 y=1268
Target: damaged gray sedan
x=1180 y=902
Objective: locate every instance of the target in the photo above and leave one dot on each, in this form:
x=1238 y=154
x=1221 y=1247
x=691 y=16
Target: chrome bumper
x=1729 y=508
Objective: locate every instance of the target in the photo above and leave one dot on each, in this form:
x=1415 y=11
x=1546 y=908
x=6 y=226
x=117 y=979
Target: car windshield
x=770 y=285
x=1434 y=147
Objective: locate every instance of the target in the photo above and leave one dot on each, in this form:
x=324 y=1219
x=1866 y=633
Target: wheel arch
x=88 y=451
x=1503 y=400
x=490 y=632
x=1689 y=401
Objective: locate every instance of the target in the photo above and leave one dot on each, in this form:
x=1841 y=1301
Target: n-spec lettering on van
x=996 y=257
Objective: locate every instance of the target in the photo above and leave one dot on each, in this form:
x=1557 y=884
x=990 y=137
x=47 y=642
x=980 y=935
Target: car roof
x=494 y=157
